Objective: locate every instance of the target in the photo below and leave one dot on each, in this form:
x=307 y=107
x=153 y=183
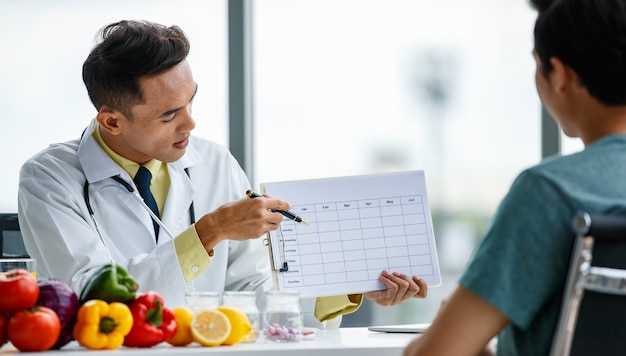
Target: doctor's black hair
x=127 y=51
x=589 y=36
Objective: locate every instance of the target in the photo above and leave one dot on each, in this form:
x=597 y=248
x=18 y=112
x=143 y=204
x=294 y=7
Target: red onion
x=60 y=297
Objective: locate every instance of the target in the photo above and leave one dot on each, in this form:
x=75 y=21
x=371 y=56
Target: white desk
x=342 y=342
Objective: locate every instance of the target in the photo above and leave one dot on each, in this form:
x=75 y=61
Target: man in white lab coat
x=79 y=207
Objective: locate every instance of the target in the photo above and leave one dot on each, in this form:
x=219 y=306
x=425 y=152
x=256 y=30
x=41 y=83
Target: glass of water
x=8 y=264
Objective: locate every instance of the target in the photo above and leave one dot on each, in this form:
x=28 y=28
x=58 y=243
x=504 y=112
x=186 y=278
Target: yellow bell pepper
x=100 y=325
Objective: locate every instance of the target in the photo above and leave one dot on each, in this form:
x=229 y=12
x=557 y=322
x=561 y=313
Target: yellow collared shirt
x=192 y=257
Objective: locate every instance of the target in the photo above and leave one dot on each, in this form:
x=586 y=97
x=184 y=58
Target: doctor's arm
x=240 y=220
x=399 y=287
x=56 y=226
x=465 y=325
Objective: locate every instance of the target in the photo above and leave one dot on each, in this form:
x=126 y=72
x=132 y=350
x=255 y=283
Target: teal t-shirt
x=521 y=265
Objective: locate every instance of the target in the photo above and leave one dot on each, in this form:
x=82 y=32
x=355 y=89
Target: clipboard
x=358 y=227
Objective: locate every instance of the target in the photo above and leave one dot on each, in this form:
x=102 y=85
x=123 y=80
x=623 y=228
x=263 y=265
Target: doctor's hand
x=400 y=287
x=242 y=219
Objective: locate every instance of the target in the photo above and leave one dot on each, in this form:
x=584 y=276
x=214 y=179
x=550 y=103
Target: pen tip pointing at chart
x=304 y=222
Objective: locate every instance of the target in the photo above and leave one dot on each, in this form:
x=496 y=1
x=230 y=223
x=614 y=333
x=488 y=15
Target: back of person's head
x=589 y=36
x=541 y=5
x=127 y=51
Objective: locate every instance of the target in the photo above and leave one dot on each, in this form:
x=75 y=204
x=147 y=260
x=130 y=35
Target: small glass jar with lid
x=283 y=317
x=246 y=302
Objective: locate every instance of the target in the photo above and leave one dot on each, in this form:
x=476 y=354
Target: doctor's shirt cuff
x=327 y=308
x=192 y=257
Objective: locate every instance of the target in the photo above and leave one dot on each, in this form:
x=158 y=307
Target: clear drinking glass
x=29 y=264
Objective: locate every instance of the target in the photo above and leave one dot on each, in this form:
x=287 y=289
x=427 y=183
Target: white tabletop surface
x=342 y=342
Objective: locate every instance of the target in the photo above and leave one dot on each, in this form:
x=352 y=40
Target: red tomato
x=35 y=329
x=4 y=320
x=19 y=290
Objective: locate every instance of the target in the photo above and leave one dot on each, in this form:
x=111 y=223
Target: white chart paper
x=358 y=227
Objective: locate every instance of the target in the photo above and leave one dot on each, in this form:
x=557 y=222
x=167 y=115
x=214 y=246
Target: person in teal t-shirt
x=512 y=288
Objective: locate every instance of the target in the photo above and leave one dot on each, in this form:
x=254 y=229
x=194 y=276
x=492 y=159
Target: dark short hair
x=589 y=36
x=127 y=51
x=541 y=5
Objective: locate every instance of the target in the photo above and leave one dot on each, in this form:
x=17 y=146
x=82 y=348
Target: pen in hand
x=286 y=213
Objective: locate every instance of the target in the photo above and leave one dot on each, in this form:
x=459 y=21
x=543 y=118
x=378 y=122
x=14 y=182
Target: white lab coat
x=59 y=232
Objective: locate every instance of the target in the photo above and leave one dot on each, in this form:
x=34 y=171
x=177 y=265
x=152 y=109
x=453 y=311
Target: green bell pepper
x=111 y=283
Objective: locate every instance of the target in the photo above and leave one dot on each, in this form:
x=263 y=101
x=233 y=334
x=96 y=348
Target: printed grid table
x=348 y=243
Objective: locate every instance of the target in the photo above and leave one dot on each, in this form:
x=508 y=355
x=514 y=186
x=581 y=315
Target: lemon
x=240 y=326
x=210 y=327
x=183 y=336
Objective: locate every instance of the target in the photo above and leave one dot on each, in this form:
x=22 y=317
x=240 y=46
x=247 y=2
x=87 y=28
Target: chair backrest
x=11 y=242
x=593 y=316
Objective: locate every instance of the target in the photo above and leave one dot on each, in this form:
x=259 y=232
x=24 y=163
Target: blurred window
x=348 y=87
x=44 y=44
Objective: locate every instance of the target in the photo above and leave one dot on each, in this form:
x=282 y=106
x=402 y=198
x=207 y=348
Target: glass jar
x=283 y=317
x=246 y=302
x=202 y=300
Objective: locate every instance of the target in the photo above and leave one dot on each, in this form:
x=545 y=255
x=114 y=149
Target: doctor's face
x=161 y=125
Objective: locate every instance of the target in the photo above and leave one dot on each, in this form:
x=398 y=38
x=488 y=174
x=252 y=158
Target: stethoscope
x=131 y=189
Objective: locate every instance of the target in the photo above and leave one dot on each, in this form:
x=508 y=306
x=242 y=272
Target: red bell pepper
x=153 y=322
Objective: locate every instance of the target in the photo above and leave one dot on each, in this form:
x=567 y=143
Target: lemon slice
x=240 y=326
x=210 y=327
